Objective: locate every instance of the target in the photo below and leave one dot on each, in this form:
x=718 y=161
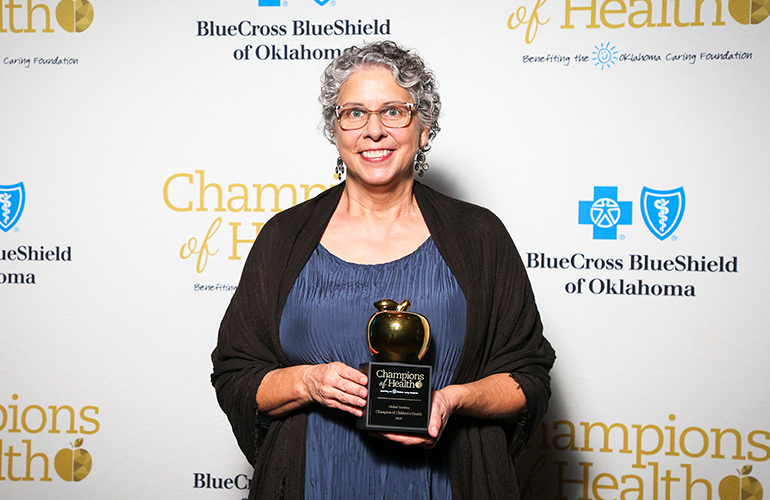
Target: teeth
x=379 y=153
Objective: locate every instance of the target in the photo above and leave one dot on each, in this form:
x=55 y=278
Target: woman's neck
x=372 y=226
x=380 y=202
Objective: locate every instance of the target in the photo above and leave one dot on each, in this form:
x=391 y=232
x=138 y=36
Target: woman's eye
x=355 y=113
x=392 y=112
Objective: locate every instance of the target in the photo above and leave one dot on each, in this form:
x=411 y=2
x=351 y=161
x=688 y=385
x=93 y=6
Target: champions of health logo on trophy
x=398 y=397
x=11 y=205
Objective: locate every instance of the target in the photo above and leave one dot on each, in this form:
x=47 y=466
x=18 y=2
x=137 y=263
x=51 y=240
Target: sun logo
x=75 y=16
x=73 y=464
x=741 y=487
x=604 y=55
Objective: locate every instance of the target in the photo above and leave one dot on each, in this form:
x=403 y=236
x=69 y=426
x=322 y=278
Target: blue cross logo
x=605 y=212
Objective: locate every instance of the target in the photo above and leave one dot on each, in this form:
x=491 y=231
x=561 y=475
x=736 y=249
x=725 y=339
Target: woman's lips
x=376 y=154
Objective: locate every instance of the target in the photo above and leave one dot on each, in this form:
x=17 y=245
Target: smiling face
x=376 y=155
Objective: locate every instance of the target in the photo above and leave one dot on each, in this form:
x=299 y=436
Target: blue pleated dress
x=325 y=320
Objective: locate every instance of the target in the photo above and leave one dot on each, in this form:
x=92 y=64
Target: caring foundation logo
x=73 y=16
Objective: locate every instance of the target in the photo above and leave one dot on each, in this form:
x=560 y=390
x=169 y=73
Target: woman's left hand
x=494 y=396
x=441 y=410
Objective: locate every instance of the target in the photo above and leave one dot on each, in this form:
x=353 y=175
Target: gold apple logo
x=749 y=11
x=73 y=464
x=75 y=16
x=744 y=487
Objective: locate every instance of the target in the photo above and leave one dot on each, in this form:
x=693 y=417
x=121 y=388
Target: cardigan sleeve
x=518 y=344
x=504 y=331
x=248 y=343
x=244 y=353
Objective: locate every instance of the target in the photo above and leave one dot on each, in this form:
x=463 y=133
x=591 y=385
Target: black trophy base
x=398 y=399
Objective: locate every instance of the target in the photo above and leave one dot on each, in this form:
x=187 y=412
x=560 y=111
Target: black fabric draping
x=503 y=335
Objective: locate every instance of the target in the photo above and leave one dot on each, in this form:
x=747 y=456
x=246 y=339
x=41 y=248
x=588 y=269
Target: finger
x=353 y=389
x=354 y=410
x=330 y=386
x=436 y=424
x=336 y=376
x=407 y=439
x=333 y=395
x=436 y=420
x=352 y=374
x=342 y=401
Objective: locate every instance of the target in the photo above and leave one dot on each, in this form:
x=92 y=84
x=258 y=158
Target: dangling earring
x=339 y=169
x=420 y=165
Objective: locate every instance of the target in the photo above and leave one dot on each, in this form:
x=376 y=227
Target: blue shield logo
x=11 y=205
x=662 y=211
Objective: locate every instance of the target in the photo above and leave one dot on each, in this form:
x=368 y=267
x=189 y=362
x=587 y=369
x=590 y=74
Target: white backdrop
x=125 y=132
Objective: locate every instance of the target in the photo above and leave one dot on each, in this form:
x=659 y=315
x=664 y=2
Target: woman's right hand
x=335 y=385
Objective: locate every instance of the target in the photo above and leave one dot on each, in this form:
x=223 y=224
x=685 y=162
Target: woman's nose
x=373 y=127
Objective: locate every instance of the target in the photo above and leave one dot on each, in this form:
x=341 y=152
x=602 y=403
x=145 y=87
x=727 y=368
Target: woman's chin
x=380 y=178
x=386 y=184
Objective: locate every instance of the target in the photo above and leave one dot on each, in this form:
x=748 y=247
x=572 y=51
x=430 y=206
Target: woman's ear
x=424 y=136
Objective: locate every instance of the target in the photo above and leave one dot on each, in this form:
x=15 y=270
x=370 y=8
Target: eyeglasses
x=354 y=117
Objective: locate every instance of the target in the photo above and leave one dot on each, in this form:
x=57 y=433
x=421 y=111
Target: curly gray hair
x=408 y=70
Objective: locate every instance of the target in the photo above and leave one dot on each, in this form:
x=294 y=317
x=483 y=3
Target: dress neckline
x=424 y=245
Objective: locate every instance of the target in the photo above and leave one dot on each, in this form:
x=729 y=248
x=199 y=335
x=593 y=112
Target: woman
x=295 y=329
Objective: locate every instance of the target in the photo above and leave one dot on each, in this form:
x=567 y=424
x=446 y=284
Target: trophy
x=399 y=389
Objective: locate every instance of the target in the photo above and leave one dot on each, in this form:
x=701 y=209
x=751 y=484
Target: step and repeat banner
x=622 y=142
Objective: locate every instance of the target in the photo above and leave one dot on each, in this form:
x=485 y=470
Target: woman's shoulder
x=313 y=212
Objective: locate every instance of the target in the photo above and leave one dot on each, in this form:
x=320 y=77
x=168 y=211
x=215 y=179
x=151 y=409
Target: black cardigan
x=503 y=335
